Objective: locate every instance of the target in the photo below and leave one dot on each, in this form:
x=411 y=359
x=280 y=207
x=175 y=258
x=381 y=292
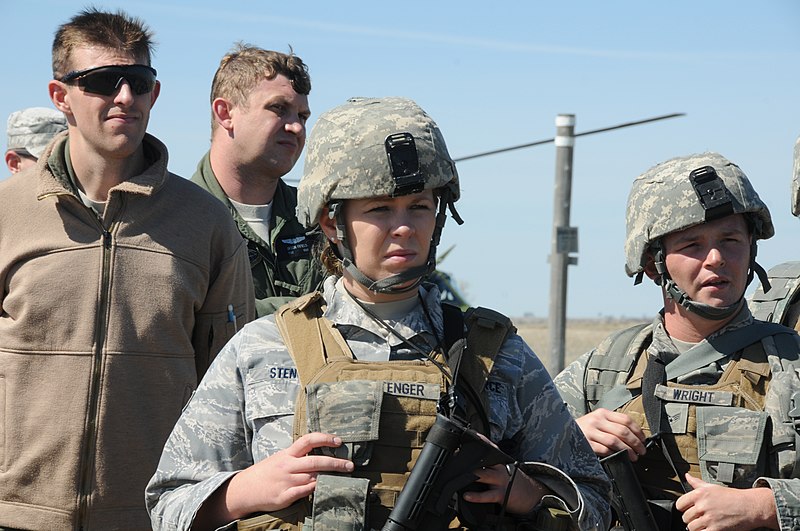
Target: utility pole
x=564 y=240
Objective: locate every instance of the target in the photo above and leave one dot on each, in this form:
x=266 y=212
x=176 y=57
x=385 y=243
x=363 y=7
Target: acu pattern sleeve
x=570 y=385
x=554 y=448
x=783 y=397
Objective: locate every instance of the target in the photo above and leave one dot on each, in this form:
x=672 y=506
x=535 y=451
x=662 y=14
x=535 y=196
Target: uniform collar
x=345 y=313
x=284 y=201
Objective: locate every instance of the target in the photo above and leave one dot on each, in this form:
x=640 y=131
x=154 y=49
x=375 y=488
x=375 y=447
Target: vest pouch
x=730 y=445
x=340 y=503
x=351 y=410
x=288 y=519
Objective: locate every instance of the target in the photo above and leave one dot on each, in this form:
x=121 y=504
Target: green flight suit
x=284 y=267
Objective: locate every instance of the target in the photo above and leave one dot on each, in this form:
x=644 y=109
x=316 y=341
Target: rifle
x=444 y=467
x=629 y=501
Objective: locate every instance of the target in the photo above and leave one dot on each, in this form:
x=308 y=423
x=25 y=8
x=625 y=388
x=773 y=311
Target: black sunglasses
x=106 y=80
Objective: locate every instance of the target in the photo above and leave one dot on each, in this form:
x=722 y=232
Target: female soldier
x=335 y=394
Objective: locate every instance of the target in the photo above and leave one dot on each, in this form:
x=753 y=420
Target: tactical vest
x=382 y=411
x=716 y=431
x=735 y=458
x=781 y=304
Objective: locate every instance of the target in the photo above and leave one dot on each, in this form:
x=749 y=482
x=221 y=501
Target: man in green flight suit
x=259 y=108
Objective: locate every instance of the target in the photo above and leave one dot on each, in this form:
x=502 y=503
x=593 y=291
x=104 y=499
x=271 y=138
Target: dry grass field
x=582 y=335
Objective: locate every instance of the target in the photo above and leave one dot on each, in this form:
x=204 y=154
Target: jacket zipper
x=90 y=435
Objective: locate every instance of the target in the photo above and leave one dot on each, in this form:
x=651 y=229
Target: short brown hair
x=92 y=27
x=241 y=69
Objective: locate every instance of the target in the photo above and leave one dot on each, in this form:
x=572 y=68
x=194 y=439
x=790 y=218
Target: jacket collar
x=56 y=173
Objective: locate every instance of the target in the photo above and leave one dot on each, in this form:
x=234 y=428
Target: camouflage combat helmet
x=681 y=193
x=372 y=147
x=796 y=180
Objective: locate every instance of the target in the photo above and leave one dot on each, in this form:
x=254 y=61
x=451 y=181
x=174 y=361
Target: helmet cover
x=349 y=154
x=664 y=199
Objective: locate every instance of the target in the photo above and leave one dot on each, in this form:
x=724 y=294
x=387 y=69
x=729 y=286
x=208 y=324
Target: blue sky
x=496 y=74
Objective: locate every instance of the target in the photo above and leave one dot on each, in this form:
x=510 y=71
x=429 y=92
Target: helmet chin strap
x=714 y=313
x=706 y=311
x=415 y=275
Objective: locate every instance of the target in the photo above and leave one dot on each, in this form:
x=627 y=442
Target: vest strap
x=721 y=347
x=487 y=330
x=303 y=330
x=615 y=356
x=702 y=355
x=654 y=375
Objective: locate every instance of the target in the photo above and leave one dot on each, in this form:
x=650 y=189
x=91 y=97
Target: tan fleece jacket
x=106 y=326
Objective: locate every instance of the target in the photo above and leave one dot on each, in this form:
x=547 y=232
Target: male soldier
x=701 y=399
x=126 y=283
x=781 y=304
x=259 y=108
x=29 y=132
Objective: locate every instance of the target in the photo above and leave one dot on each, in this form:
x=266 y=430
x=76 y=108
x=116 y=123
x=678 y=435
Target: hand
x=272 y=484
x=710 y=507
x=609 y=432
x=525 y=494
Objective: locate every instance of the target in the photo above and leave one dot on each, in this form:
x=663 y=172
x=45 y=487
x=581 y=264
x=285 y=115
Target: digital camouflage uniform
x=777 y=453
x=243 y=412
x=284 y=267
x=781 y=304
x=726 y=406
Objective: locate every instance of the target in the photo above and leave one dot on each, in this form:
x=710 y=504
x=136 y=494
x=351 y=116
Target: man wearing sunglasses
x=259 y=108
x=120 y=283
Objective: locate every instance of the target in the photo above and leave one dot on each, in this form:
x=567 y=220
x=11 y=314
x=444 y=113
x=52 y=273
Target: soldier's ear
x=328 y=225
x=58 y=95
x=650 y=268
